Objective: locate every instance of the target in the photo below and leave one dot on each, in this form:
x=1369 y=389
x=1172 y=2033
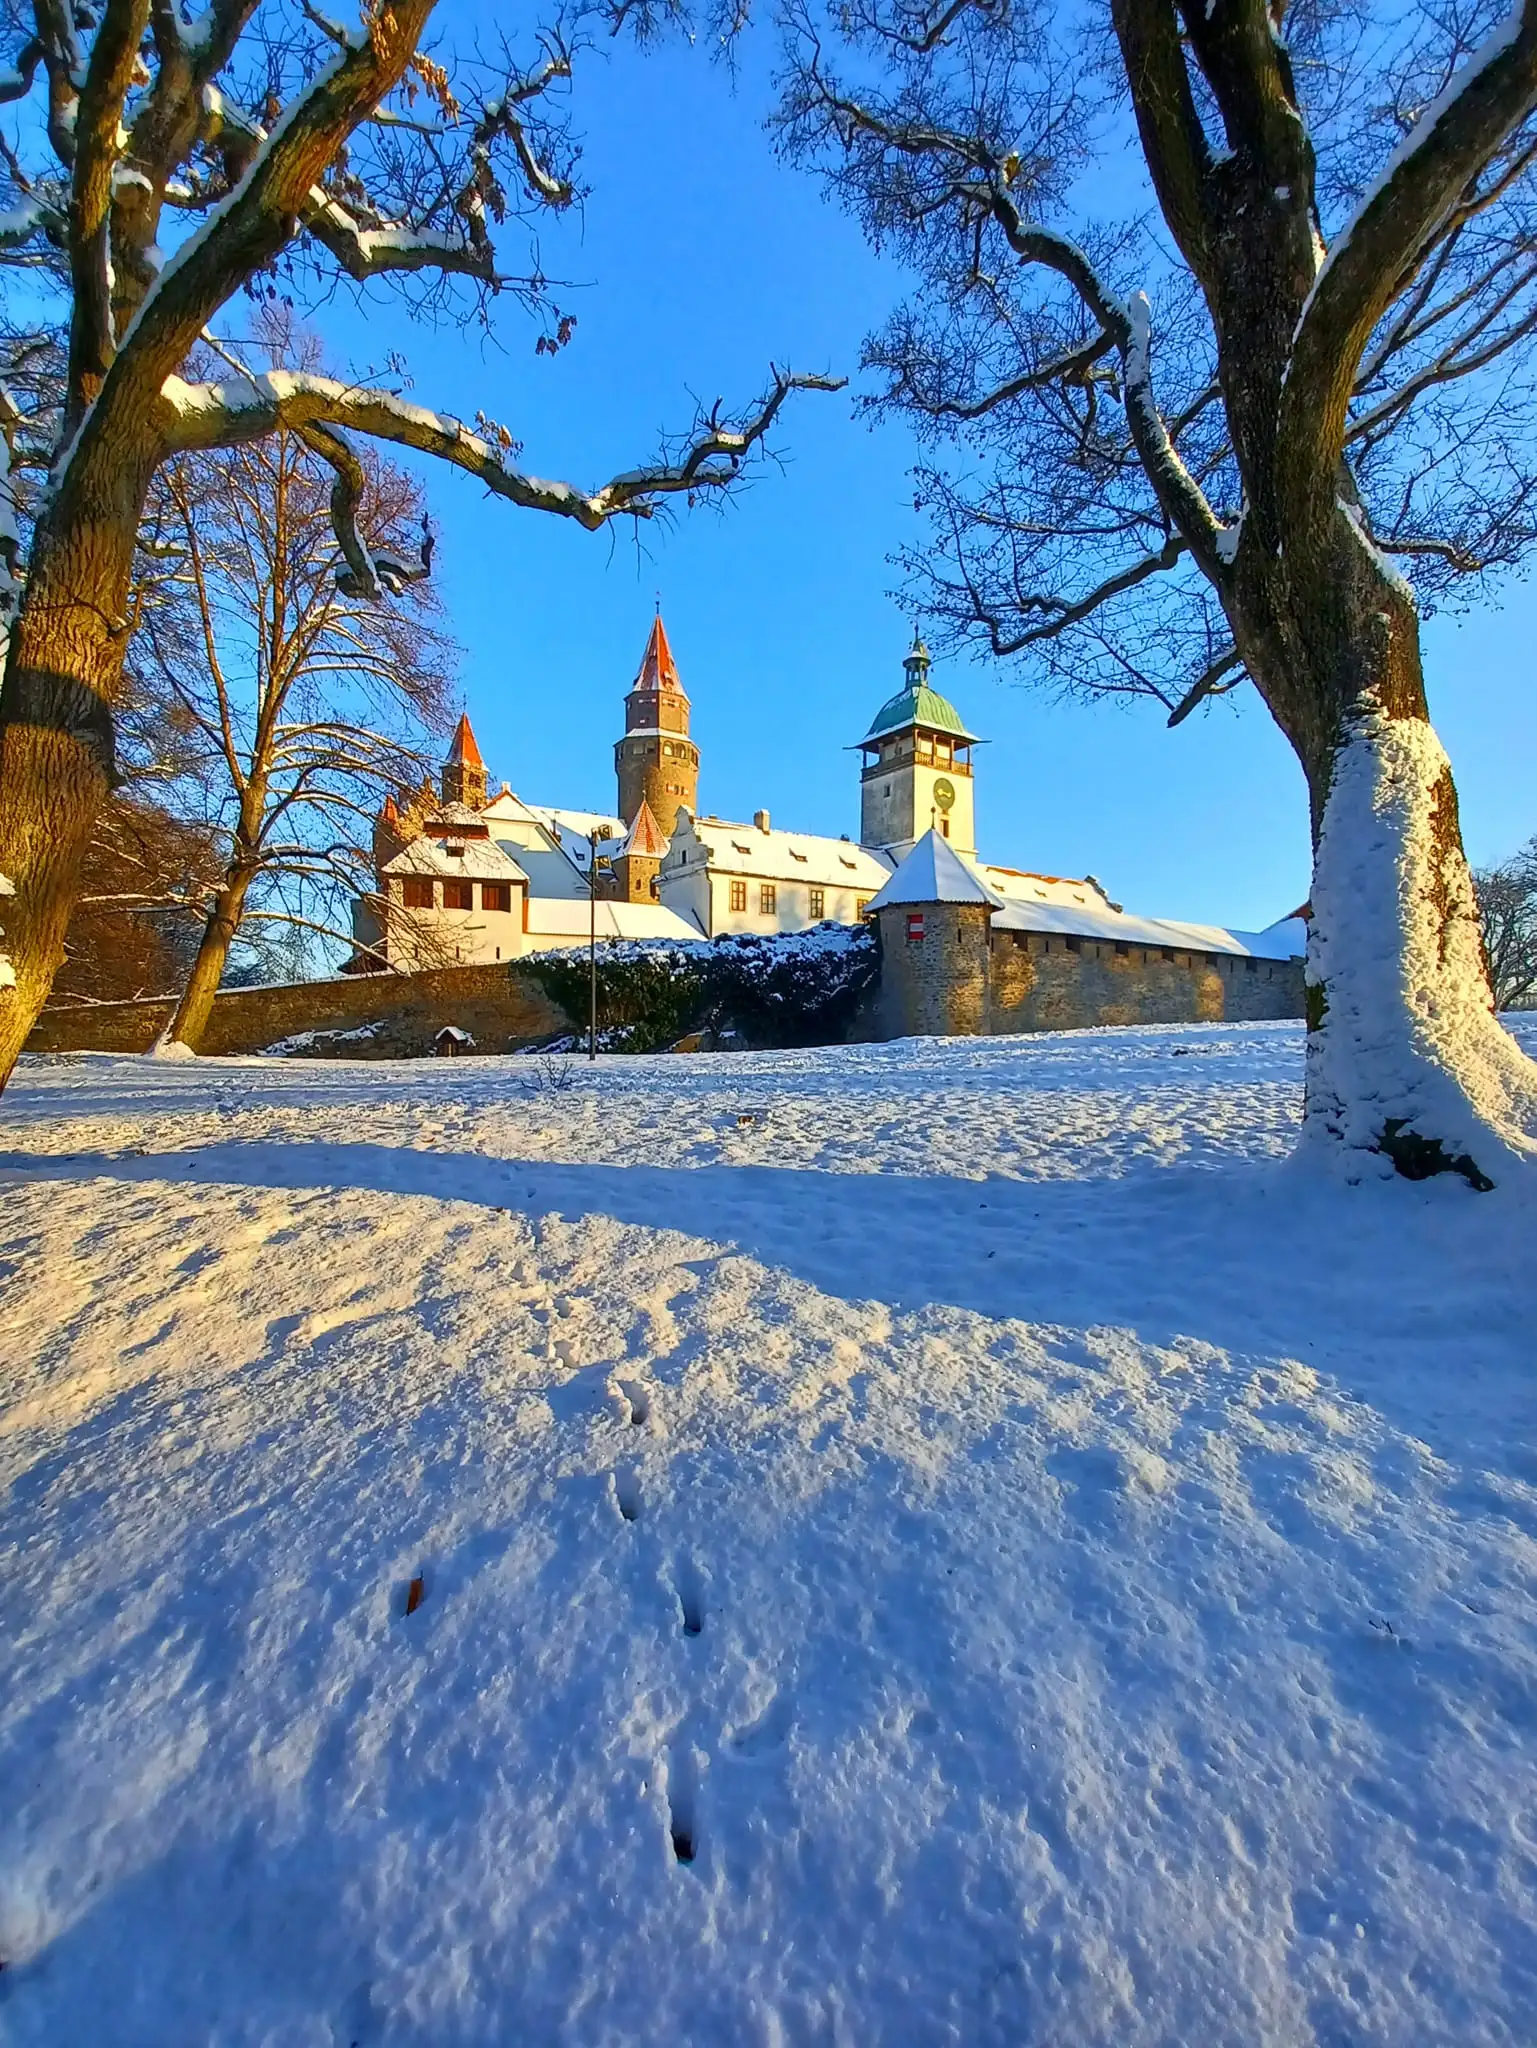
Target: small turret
x=464 y=772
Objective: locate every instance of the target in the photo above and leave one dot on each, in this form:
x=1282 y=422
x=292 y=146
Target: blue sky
x=699 y=258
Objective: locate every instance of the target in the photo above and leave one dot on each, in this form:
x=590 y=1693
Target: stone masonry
x=501 y=1007
x=945 y=971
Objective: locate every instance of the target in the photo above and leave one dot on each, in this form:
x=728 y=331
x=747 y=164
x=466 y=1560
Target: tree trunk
x=1407 y=1069
x=62 y=676
x=195 y=1006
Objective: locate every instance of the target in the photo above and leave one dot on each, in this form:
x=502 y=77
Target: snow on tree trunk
x=1408 y=1069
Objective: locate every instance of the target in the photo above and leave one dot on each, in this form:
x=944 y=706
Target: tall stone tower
x=917 y=767
x=656 y=761
x=464 y=773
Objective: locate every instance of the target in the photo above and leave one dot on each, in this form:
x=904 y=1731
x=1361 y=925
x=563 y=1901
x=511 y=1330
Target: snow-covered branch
x=1379 y=250
x=200 y=416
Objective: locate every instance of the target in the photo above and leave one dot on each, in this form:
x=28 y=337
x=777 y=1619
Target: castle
x=464 y=877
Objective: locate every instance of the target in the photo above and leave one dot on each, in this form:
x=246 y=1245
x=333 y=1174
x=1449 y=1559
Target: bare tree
x=306 y=698
x=167 y=162
x=1507 y=909
x=1208 y=442
x=145 y=884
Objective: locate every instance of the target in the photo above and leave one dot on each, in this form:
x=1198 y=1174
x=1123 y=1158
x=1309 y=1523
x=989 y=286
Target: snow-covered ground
x=939 y=1543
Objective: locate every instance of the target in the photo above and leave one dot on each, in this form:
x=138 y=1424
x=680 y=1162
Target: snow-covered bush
x=801 y=988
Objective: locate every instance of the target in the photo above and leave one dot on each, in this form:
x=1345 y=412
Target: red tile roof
x=658 y=670
x=464 y=749
x=645 y=836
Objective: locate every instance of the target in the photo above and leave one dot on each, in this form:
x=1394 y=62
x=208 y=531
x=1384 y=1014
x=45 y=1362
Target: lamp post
x=594 y=839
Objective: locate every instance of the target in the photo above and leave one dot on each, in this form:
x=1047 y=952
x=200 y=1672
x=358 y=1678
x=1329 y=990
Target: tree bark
x=195 y=1005
x=63 y=673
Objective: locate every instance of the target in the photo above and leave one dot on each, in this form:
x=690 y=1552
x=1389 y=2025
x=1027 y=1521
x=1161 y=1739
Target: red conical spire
x=464 y=753
x=645 y=837
x=658 y=670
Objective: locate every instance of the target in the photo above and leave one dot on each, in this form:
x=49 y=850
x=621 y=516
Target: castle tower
x=638 y=857
x=464 y=773
x=656 y=762
x=916 y=775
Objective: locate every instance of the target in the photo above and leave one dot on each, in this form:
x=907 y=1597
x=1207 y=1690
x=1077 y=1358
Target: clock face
x=944 y=793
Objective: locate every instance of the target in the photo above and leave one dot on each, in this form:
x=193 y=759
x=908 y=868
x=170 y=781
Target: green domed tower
x=917 y=767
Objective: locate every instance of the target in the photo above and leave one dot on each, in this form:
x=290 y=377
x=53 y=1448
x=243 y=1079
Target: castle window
x=496 y=895
x=1074 y=943
x=458 y=895
x=1121 y=947
x=416 y=892
x=654 y=889
x=768 y=899
x=816 y=901
x=738 y=895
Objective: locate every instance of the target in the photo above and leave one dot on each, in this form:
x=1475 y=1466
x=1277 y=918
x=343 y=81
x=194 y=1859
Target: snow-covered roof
x=1286 y=939
x=1020 y=884
x=933 y=872
x=551 y=918
x=775 y=856
x=452 y=814
x=571 y=831
x=645 y=838
x=481 y=859
x=1099 y=921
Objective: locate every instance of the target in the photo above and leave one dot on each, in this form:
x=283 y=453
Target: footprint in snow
x=690 y=1590
x=637 y=1401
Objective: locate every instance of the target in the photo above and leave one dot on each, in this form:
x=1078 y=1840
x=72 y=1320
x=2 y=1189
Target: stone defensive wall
x=962 y=977
x=501 y=1008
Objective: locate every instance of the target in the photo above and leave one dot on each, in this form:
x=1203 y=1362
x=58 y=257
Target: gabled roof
x=933 y=872
x=658 y=670
x=645 y=836
x=464 y=752
x=779 y=856
x=482 y=860
x=445 y=819
x=571 y=831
